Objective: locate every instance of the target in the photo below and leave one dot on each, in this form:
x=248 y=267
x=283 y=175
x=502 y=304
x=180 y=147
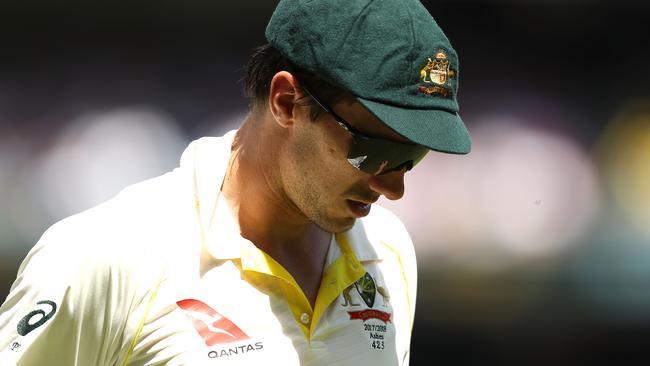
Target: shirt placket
x=342 y=273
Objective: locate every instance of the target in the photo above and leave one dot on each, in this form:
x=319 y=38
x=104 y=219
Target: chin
x=336 y=226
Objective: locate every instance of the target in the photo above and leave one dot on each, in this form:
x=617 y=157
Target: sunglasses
x=374 y=155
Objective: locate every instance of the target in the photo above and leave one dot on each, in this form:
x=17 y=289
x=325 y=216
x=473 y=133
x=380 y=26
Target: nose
x=390 y=185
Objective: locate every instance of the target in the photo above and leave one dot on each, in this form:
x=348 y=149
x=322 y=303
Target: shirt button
x=304 y=318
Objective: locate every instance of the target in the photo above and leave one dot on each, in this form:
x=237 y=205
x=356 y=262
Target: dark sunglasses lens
x=378 y=156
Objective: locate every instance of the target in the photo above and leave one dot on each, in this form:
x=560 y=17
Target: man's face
x=320 y=181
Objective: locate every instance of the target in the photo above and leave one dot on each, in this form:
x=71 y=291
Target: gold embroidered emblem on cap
x=438 y=72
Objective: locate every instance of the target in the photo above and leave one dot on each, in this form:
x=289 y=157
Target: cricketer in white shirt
x=159 y=275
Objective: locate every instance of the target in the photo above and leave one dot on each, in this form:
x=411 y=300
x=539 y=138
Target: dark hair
x=266 y=61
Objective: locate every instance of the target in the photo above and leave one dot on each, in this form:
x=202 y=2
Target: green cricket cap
x=390 y=54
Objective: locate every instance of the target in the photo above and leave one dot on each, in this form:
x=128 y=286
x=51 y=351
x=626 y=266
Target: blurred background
x=533 y=249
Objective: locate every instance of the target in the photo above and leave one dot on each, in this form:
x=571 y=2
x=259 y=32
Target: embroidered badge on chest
x=367 y=289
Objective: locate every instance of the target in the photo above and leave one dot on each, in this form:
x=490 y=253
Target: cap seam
x=340 y=48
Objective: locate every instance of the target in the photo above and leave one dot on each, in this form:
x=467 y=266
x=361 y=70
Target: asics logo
x=36 y=318
x=213 y=327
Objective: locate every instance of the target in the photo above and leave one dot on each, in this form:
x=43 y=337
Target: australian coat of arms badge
x=436 y=74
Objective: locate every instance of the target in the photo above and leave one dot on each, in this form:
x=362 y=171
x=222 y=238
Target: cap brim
x=435 y=129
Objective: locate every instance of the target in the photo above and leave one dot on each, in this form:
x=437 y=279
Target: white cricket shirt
x=159 y=275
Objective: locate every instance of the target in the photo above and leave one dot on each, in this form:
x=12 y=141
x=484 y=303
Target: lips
x=359 y=209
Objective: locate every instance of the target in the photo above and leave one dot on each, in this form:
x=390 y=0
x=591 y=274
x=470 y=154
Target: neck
x=254 y=192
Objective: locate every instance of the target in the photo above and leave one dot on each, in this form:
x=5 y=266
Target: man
x=262 y=247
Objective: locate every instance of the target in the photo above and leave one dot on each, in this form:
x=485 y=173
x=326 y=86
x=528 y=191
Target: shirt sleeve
x=58 y=311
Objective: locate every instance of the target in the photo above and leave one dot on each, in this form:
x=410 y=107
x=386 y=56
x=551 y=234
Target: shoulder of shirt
x=143 y=228
x=131 y=236
x=136 y=208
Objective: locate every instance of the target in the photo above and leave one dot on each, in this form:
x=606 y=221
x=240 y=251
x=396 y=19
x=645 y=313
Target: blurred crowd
x=534 y=246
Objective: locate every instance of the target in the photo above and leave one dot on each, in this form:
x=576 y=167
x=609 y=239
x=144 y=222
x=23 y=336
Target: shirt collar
x=361 y=243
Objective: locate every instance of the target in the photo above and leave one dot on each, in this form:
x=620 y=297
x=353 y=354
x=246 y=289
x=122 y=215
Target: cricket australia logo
x=367 y=289
x=436 y=74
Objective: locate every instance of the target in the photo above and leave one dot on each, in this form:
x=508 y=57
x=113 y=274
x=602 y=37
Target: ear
x=283 y=95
